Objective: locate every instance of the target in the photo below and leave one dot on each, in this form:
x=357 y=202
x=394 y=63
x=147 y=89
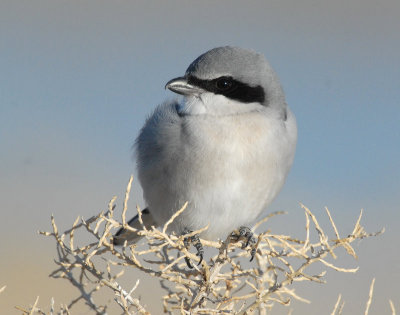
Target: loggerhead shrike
x=226 y=147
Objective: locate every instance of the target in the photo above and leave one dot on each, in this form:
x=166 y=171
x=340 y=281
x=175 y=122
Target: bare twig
x=371 y=292
x=223 y=284
x=392 y=307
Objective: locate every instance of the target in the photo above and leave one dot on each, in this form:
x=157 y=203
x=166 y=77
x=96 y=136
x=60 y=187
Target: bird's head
x=228 y=80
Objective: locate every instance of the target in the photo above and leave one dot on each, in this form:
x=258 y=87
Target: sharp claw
x=187 y=260
x=201 y=259
x=196 y=243
x=252 y=253
x=246 y=233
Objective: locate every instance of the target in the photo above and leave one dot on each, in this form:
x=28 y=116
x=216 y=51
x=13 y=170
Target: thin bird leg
x=186 y=242
x=195 y=240
x=247 y=234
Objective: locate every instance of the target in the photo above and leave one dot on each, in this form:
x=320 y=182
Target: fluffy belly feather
x=228 y=173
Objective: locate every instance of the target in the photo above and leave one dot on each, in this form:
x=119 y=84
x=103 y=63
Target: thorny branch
x=225 y=283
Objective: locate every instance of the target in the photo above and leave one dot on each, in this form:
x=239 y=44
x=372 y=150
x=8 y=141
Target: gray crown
x=243 y=65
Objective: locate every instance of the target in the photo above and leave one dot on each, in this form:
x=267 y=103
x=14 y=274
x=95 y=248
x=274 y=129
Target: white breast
x=229 y=168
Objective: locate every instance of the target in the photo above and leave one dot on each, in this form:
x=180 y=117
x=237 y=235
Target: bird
x=224 y=146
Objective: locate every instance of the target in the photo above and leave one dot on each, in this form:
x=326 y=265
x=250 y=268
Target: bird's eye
x=223 y=83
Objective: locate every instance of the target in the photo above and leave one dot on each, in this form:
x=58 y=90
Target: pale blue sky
x=77 y=80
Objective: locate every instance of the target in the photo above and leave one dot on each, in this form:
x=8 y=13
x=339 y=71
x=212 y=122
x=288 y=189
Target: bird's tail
x=125 y=235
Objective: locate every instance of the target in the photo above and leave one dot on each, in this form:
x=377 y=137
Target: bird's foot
x=246 y=234
x=195 y=240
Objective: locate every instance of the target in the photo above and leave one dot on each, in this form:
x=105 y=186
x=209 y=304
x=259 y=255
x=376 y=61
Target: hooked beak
x=182 y=86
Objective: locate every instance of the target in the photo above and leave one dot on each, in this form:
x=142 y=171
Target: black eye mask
x=231 y=88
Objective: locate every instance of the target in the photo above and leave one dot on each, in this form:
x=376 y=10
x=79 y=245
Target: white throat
x=215 y=105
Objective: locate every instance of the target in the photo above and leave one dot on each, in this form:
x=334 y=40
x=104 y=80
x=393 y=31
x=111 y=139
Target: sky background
x=78 y=79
